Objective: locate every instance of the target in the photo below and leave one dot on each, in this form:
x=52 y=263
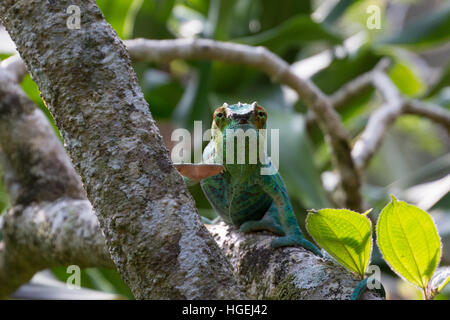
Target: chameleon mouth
x=244 y=125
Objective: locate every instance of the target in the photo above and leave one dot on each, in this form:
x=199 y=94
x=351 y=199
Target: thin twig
x=359 y=84
x=366 y=146
x=394 y=106
x=428 y=110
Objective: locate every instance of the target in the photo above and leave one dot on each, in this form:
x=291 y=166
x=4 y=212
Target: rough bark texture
x=150 y=223
x=285 y=273
x=36 y=167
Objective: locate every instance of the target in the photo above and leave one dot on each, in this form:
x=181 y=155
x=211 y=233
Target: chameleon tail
x=362 y=287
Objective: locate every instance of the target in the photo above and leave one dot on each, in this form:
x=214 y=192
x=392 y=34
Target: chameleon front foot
x=362 y=287
x=295 y=240
x=263 y=224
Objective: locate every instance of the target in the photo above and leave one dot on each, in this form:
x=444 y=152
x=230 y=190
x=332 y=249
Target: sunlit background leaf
x=346 y=235
x=409 y=242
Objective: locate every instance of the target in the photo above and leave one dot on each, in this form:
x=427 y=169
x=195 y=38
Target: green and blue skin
x=241 y=195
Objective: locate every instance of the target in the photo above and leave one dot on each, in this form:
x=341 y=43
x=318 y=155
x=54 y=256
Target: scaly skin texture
x=240 y=194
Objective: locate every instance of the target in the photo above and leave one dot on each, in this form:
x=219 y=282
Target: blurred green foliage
x=180 y=92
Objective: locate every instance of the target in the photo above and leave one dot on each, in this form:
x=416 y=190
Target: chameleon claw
x=290 y=241
x=362 y=287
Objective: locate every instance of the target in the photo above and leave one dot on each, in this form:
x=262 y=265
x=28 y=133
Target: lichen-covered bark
x=285 y=273
x=151 y=226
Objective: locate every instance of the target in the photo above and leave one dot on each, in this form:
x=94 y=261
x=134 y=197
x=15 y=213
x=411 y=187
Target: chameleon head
x=239 y=116
x=243 y=122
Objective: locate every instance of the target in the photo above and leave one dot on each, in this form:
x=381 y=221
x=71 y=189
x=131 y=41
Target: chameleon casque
x=240 y=194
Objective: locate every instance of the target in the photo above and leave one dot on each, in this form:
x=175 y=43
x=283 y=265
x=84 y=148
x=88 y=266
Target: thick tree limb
x=285 y=273
x=149 y=220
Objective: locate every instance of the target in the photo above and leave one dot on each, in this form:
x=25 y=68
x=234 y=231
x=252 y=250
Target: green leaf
x=297 y=166
x=162 y=91
x=106 y=280
x=409 y=242
x=119 y=14
x=151 y=20
x=298 y=30
x=429 y=29
x=444 y=81
x=344 y=234
x=406 y=80
x=273 y=13
x=194 y=104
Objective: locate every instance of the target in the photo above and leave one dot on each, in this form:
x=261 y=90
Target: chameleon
x=240 y=194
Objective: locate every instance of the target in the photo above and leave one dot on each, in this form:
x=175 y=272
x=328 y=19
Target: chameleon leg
x=294 y=237
x=362 y=287
x=274 y=186
x=269 y=222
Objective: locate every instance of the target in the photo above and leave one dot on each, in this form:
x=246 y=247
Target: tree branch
x=427 y=110
x=166 y=50
x=379 y=121
x=118 y=168
x=394 y=106
x=359 y=84
x=285 y=273
x=152 y=230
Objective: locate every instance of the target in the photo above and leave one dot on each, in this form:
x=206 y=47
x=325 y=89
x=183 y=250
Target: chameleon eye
x=261 y=114
x=219 y=115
